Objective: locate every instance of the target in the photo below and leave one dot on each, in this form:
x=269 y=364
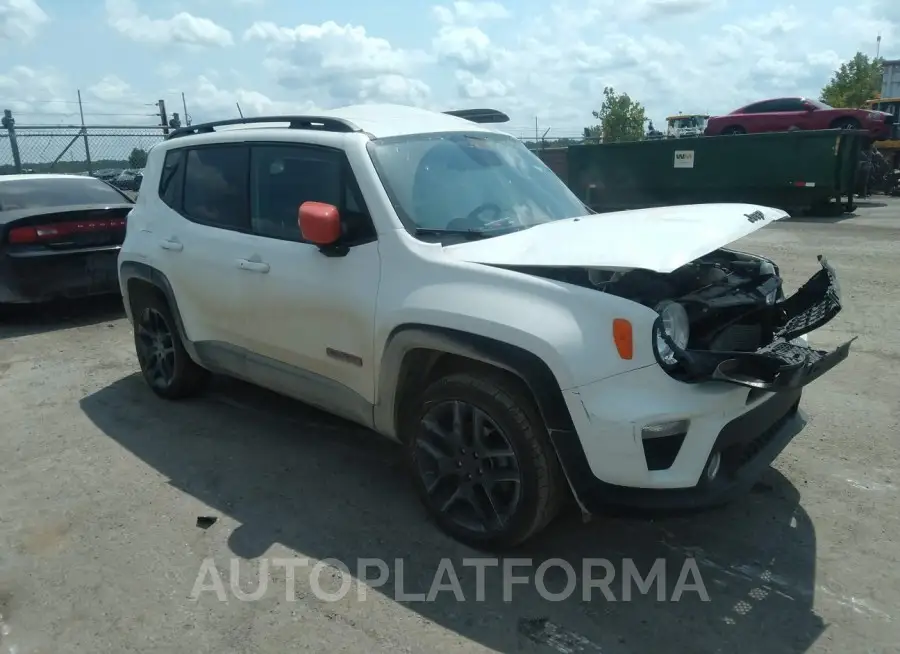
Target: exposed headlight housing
x=673 y=321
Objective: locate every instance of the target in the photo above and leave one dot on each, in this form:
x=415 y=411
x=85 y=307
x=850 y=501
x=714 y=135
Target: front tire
x=165 y=364
x=482 y=461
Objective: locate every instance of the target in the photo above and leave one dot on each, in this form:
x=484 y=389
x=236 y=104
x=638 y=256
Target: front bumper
x=747 y=444
x=44 y=276
x=743 y=411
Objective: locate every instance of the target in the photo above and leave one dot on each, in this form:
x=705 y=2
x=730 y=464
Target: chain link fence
x=74 y=149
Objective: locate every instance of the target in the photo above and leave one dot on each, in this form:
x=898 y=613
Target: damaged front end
x=725 y=317
x=744 y=331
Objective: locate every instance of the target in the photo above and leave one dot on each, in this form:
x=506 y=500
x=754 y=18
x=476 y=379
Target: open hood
x=659 y=239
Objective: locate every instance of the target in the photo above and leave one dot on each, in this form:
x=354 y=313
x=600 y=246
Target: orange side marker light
x=623 y=338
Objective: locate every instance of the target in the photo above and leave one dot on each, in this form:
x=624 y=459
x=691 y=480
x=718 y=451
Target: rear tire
x=482 y=461
x=165 y=364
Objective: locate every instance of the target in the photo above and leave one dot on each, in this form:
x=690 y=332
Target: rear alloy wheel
x=165 y=364
x=482 y=461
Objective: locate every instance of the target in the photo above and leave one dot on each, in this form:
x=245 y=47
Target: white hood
x=660 y=239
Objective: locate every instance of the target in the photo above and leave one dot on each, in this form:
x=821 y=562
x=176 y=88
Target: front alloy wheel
x=468 y=467
x=482 y=460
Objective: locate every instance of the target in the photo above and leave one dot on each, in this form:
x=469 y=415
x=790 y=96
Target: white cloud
x=169 y=70
x=111 y=89
x=464 y=11
x=551 y=62
x=341 y=61
x=209 y=101
x=465 y=47
x=21 y=20
x=777 y=22
x=182 y=28
x=472 y=87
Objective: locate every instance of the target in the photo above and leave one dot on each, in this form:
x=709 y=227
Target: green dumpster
x=790 y=170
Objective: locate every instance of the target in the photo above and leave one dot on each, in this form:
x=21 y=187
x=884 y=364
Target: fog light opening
x=713 y=466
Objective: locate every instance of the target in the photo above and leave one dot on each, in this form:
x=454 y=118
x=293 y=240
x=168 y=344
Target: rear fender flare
x=130 y=271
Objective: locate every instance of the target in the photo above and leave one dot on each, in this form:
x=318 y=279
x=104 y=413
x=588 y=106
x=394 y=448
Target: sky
x=545 y=63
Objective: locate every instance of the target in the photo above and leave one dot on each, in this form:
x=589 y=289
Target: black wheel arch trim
x=135 y=270
x=395 y=376
x=394 y=372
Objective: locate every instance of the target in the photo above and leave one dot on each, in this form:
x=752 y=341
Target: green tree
x=854 y=82
x=137 y=158
x=620 y=118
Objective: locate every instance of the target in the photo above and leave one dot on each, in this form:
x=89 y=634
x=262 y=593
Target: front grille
x=738 y=338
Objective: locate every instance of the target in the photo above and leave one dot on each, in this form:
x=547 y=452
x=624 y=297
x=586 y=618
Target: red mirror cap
x=320 y=223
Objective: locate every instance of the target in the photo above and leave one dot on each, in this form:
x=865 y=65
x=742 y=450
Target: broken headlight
x=673 y=322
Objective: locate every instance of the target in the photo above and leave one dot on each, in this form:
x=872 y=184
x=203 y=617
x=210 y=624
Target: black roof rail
x=322 y=123
x=480 y=115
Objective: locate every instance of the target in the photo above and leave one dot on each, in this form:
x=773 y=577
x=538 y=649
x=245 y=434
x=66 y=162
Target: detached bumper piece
x=783 y=364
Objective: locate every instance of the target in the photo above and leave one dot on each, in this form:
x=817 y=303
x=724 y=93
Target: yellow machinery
x=891 y=147
x=889 y=101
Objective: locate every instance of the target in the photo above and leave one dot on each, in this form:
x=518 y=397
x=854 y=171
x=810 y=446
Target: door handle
x=253 y=266
x=167 y=244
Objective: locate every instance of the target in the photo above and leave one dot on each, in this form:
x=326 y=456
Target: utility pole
x=163 y=116
x=10 y=124
x=878 y=46
x=187 y=116
x=87 y=149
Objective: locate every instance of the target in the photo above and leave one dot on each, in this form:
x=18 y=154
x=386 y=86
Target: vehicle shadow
x=27 y=319
x=329 y=490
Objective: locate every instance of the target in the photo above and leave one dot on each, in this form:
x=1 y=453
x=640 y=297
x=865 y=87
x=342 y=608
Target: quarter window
x=171 y=181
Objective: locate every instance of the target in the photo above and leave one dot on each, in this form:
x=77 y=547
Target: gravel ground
x=101 y=486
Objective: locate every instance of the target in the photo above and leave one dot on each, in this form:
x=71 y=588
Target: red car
x=783 y=114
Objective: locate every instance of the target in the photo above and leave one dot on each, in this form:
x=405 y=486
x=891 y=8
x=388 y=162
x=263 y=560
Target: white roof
x=385 y=120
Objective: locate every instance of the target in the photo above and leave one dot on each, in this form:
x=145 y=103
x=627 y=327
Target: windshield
x=53 y=192
x=818 y=104
x=470 y=182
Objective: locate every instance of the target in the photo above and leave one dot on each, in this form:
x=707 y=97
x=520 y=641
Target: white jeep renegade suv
x=425 y=275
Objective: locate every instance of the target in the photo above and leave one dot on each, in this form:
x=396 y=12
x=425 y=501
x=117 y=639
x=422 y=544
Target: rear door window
x=216 y=192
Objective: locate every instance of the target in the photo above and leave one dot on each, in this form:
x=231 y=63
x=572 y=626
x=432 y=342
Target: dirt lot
x=101 y=486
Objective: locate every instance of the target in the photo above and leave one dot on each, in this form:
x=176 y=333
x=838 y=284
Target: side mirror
x=320 y=223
